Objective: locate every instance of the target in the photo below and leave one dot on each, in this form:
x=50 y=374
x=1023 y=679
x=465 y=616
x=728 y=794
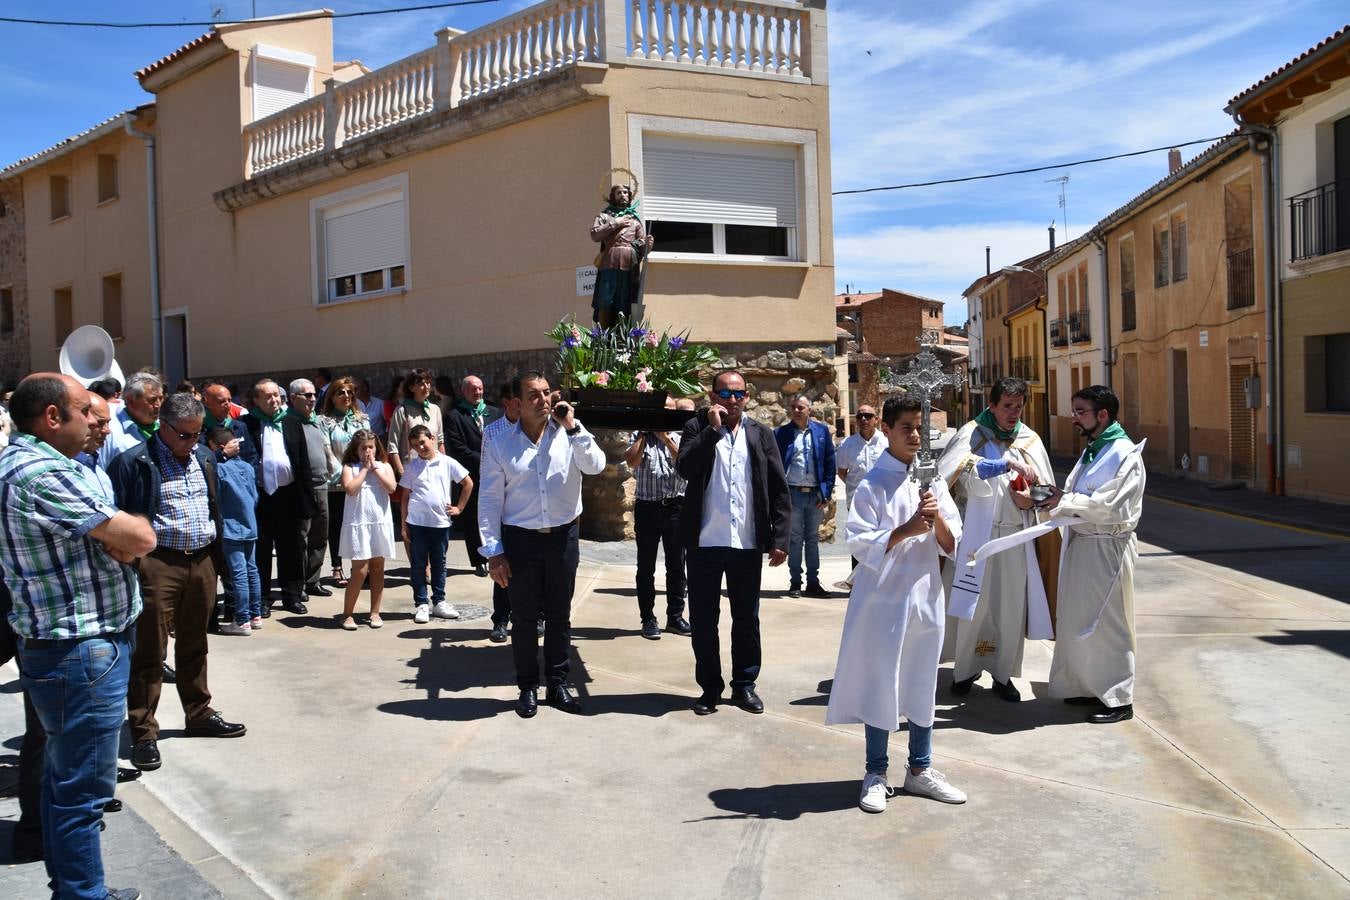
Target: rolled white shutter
x=367 y=238
x=719 y=182
x=277 y=85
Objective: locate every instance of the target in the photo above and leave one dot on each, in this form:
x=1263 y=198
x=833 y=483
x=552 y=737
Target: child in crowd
x=237 y=501
x=892 y=640
x=367 y=531
x=425 y=519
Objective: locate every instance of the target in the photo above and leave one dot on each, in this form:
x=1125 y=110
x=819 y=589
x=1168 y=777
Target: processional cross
x=926 y=379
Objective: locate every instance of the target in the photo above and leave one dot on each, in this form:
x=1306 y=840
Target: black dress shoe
x=215 y=727
x=498 y=633
x=747 y=699
x=113 y=805
x=527 y=704
x=817 y=592
x=650 y=630
x=705 y=705
x=795 y=591
x=1007 y=690
x=168 y=675
x=125 y=775
x=1112 y=714
x=1082 y=701
x=480 y=570
x=145 y=756
x=961 y=688
x=267 y=609
x=317 y=590
x=295 y=606
x=678 y=625
x=560 y=696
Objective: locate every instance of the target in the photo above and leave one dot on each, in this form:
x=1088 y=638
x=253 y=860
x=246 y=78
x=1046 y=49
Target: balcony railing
x=1127 y=319
x=1025 y=367
x=1078 y=327
x=1059 y=336
x=1241 y=279
x=1319 y=220
x=768 y=38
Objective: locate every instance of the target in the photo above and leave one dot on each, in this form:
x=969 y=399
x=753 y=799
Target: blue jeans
x=427 y=544
x=920 y=747
x=241 y=575
x=79 y=689
x=805 y=530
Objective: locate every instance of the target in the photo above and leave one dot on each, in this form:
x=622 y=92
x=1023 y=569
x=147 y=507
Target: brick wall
x=891 y=324
x=14 y=358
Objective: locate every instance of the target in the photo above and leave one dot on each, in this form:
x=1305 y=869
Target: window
x=1180 y=262
x=281 y=78
x=107 y=177
x=1327 y=372
x=1127 y=284
x=59 y=188
x=6 y=311
x=1162 y=255
x=63 y=314
x=361 y=245
x=1082 y=286
x=112 y=305
x=722 y=198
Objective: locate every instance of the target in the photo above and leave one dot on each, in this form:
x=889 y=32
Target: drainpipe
x=152 y=201
x=1270 y=174
x=1100 y=241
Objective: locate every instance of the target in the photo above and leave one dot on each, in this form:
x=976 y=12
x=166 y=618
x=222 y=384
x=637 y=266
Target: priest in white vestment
x=888 y=654
x=984 y=467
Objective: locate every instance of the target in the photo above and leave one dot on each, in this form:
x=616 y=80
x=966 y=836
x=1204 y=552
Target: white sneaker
x=423 y=614
x=444 y=610
x=932 y=783
x=875 y=790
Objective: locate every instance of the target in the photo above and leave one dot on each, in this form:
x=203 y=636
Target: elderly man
x=100 y=427
x=531 y=500
x=464 y=443
x=220 y=414
x=171 y=480
x=807 y=450
x=322 y=467
x=284 y=497
x=736 y=509
x=859 y=453
x=74 y=602
x=137 y=419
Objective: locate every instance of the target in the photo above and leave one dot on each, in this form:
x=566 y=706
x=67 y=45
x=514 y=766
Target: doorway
x=175 y=334
x=1179 y=378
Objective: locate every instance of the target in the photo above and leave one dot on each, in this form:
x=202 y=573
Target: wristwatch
x=574 y=430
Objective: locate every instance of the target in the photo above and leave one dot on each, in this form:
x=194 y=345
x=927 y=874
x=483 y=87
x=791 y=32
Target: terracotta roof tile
x=61 y=146
x=191 y=45
x=1305 y=55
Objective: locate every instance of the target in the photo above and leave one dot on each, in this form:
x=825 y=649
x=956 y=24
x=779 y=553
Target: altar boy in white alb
x=888 y=655
x=1104 y=494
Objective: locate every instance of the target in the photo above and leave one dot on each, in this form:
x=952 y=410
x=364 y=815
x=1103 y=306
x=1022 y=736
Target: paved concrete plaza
x=390 y=763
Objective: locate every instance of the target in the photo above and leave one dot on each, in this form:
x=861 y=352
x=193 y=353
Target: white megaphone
x=87 y=356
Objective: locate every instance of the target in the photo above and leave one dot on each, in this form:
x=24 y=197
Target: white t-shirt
x=429 y=483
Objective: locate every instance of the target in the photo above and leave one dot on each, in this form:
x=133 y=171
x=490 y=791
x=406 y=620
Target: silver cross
x=926 y=379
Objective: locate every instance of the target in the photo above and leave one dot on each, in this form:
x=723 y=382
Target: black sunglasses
x=187 y=435
x=866 y=416
x=727 y=394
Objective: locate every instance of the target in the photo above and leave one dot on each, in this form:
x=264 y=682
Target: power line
x=271 y=21
x=1063 y=165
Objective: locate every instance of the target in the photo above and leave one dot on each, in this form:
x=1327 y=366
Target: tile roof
x=107 y=126
x=182 y=51
x=1234 y=141
x=1296 y=62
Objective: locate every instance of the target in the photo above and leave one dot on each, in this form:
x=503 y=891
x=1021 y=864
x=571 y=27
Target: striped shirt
x=656 y=477
x=65 y=585
x=496 y=427
x=183 y=518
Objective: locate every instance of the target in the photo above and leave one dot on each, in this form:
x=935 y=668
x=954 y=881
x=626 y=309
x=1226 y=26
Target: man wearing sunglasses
x=736 y=508
x=859 y=453
x=171 y=480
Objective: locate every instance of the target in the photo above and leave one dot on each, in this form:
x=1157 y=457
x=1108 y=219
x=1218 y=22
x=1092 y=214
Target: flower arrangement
x=630 y=357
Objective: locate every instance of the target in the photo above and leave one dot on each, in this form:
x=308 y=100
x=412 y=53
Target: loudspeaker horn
x=87 y=356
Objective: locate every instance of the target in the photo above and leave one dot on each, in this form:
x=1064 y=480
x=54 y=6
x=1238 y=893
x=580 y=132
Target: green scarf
x=618 y=212
x=1112 y=432
x=269 y=421
x=212 y=422
x=147 y=431
x=423 y=409
x=311 y=418
x=987 y=420
x=477 y=411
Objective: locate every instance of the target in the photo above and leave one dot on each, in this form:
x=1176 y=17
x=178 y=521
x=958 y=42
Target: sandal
x=339 y=580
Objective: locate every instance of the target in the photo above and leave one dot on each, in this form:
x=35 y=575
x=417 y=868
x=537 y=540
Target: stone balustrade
x=766 y=38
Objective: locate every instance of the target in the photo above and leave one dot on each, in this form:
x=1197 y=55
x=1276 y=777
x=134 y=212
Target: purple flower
x=569 y=342
x=597 y=332
x=676 y=343
x=637 y=334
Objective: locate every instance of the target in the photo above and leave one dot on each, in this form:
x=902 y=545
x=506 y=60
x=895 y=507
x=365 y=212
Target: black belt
x=551 y=529
x=665 y=501
x=169 y=554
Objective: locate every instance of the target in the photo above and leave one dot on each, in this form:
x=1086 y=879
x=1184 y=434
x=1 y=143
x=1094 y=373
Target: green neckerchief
x=213 y=422
x=424 y=407
x=147 y=431
x=618 y=212
x=311 y=418
x=1113 y=432
x=349 y=418
x=986 y=419
x=273 y=421
x=476 y=411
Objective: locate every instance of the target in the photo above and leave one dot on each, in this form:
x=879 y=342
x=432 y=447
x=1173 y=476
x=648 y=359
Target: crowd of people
x=125 y=505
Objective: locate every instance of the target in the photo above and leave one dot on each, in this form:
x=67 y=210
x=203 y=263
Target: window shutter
x=277 y=85
x=719 y=182
x=1180 y=264
x=367 y=238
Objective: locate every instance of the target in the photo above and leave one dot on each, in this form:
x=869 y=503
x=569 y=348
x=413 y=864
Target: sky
x=919 y=91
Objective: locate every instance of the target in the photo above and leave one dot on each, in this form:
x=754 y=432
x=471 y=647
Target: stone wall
x=14 y=349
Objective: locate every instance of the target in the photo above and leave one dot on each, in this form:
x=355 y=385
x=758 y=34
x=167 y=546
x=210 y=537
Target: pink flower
x=576 y=334
x=601 y=378
x=651 y=340
x=643 y=387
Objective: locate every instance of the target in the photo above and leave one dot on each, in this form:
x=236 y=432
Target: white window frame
x=305 y=61
x=803 y=240
x=321 y=292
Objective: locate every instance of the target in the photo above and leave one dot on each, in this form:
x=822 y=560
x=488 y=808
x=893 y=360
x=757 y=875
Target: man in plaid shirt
x=64 y=557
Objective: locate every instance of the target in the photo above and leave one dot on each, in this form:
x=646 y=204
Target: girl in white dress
x=367 y=528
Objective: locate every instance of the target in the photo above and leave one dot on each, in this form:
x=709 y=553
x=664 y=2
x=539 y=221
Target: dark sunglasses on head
x=867 y=416
x=727 y=394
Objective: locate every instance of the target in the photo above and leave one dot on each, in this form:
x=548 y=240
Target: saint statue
x=623 y=245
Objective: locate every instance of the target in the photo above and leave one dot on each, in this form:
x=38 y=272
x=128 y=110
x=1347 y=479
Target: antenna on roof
x=1063 y=205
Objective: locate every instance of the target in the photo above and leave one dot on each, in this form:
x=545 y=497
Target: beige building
x=1304 y=110
x=1077 y=355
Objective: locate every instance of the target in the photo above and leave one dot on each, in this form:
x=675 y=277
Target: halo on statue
x=609 y=183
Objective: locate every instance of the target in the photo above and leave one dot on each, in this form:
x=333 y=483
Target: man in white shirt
x=528 y=507
x=736 y=508
x=859 y=453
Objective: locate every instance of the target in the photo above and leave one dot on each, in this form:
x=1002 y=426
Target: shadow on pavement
x=822 y=698
x=785 y=801
x=652 y=705
x=449 y=709
x=1336 y=641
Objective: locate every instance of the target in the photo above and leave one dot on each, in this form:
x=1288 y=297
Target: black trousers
x=314 y=538
x=543 y=576
x=279 y=526
x=658 y=524
x=468 y=524
x=707 y=565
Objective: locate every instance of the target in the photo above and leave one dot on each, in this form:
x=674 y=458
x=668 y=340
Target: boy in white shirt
x=424 y=516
